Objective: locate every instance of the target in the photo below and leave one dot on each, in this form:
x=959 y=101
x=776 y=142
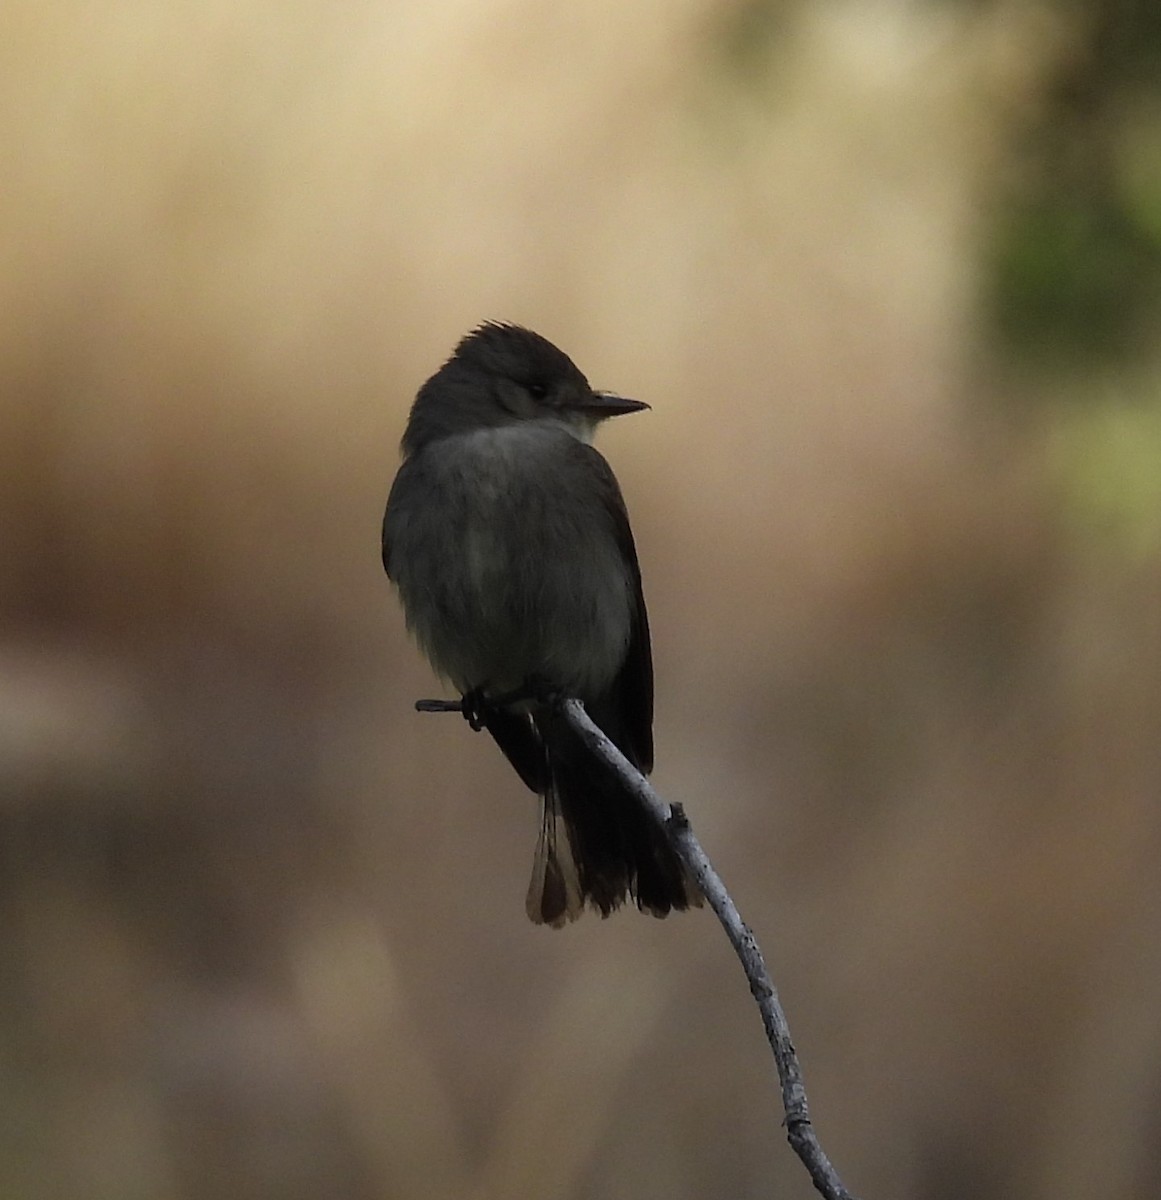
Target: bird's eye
x=537 y=391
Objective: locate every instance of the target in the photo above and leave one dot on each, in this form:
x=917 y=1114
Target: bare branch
x=672 y=818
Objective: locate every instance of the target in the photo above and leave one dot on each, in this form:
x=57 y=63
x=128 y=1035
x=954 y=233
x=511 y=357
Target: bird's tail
x=597 y=844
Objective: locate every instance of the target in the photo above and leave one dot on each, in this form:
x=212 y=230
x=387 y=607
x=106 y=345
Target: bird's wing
x=625 y=711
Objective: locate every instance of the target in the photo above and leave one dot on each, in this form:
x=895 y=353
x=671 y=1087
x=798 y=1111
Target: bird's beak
x=608 y=404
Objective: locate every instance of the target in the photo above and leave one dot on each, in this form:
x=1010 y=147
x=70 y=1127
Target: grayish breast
x=505 y=552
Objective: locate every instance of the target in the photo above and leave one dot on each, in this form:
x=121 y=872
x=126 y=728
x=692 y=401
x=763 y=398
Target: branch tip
x=672 y=820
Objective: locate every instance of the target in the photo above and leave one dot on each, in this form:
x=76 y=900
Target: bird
x=508 y=541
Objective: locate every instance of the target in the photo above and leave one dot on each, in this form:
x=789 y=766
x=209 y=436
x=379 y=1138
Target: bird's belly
x=523 y=590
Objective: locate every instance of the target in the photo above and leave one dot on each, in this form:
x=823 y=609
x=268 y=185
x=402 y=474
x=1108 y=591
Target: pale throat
x=579 y=425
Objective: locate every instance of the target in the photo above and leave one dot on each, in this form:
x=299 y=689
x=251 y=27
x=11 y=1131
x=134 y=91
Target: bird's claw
x=474 y=706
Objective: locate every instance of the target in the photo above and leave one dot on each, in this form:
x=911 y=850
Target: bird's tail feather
x=597 y=844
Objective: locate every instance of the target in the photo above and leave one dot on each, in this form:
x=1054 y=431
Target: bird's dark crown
x=498 y=375
x=509 y=351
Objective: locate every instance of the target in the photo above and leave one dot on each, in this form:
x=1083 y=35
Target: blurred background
x=890 y=275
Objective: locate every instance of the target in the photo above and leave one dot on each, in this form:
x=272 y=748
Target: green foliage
x=1075 y=263
x=1076 y=278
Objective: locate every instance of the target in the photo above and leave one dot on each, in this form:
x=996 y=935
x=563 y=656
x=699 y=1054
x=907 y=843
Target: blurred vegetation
x=1073 y=272
x=1108 y=455
x=1076 y=264
x=749 y=34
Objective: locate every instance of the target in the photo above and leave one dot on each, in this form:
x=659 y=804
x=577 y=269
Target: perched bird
x=509 y=542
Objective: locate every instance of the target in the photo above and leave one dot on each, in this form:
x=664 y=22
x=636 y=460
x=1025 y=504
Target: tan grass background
x=262 y=925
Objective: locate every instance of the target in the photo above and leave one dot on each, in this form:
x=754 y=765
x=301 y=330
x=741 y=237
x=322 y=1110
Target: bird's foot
x=475 y=707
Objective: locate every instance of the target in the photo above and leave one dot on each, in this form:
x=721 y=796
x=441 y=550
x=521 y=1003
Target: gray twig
x=672 y=818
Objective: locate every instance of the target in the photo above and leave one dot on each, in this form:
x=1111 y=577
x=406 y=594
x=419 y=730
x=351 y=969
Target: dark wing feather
x=625 y=710
x=516 y=734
